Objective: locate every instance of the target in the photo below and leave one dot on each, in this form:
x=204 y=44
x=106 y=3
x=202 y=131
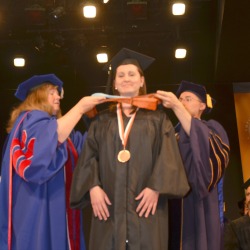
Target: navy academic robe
x=197 y=219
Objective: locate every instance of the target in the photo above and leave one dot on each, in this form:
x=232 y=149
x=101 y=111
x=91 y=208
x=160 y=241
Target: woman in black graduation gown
x=130 y=166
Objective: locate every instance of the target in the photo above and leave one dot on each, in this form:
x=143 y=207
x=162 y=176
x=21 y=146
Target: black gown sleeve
x=86 y=173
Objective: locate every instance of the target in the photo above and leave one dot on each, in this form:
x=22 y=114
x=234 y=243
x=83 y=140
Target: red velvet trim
x=17 y=149
x=10 y=187
x=73 y=215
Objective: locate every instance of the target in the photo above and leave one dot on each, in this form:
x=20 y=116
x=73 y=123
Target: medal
x=123 y=156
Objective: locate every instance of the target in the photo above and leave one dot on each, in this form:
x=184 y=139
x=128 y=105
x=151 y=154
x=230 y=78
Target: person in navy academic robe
x=197 y=219
x=38 y=160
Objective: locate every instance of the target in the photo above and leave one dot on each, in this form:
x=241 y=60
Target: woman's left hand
x=148 y=203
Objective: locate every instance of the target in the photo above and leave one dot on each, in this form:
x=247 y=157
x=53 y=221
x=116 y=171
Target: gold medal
x=123 y=156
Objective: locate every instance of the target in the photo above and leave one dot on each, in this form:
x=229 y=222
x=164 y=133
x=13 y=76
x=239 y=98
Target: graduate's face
x=128 y=80
x=192 y=104
x=54 y=99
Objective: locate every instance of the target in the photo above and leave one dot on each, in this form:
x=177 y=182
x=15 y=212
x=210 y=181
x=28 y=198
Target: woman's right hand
x=89 y=102
x=99 y=202
x=67 y=122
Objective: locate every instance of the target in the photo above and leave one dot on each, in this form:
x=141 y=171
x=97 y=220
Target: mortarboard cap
x=24 y=88
x=198 y=90
x=123 y=57
x=136 y=58
x=246 y=184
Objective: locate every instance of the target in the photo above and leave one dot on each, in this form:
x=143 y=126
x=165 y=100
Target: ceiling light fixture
x=19 y=61
x=180 y=53
x=102 y=57
x=89 y=10
x=178 y=9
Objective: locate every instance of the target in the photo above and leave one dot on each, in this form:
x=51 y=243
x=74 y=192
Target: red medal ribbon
x=124 y=134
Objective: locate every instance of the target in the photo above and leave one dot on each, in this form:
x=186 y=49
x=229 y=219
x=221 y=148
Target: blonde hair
x=37 y=99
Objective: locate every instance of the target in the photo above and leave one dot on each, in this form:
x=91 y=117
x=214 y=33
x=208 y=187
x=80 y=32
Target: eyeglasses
x=188 y=99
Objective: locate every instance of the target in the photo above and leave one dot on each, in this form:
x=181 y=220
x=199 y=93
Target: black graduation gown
x=155 y=163
x=237 y=234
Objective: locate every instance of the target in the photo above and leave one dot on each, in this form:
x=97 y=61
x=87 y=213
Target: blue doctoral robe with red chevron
x=196 y=221
x=35 y=181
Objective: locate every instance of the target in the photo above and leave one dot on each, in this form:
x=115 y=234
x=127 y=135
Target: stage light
x=89 y=10
x=178 y=9
x=19 y=62
x=180 y=53
x=102 y=57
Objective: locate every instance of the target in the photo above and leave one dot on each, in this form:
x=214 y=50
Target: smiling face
x=54 y=99
x=128 y=80
x=192 y=103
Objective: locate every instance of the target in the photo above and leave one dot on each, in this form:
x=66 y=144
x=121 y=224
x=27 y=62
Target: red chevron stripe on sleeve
x=21 y=154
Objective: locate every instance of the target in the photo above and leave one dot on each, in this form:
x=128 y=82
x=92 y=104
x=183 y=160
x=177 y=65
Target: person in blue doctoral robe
x=197 y=219
x=38 y=161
